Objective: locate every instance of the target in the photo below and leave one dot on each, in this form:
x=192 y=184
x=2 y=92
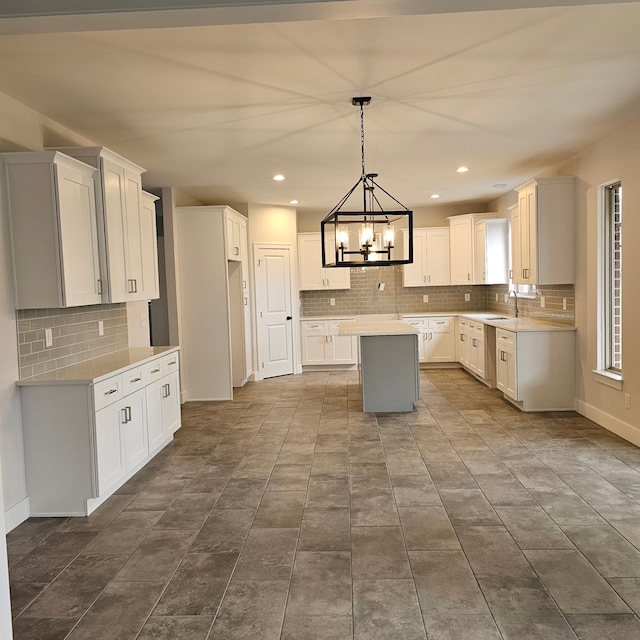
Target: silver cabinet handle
x=99 y=286
x=503 y=356
x=126 y=415
x=155 y=370
x=171 y=363
x=474 y=342
x=135 y=379
x=108 y=393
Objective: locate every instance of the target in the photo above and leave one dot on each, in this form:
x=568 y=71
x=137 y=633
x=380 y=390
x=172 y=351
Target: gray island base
x=389 y=364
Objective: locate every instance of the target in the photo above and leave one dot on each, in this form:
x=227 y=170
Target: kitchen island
x=389 y=364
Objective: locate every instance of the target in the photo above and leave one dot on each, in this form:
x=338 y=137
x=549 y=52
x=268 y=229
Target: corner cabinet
x=85 y=437
x=214 y=301
x=311 y=275
x=543 y=232
x=53 y=230
x=126 y=232
x=430 y=265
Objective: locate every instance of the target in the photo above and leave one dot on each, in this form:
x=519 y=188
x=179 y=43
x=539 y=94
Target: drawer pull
x=155 y=370
x=135 y=379
x=108 y=393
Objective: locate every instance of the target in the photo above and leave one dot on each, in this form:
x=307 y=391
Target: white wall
x=615 y=158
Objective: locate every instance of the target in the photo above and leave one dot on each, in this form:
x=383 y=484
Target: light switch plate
x=48 y=338
x=332 y=302
x=100 y=327
x=467 y=297
x=425 y=298
x=542 y=302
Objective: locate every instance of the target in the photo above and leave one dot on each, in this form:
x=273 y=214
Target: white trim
x=613 y=380
x=17 y=514
x=609 y=422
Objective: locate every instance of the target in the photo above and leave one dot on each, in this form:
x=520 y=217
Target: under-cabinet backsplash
x=367 y=296
x=75 y=336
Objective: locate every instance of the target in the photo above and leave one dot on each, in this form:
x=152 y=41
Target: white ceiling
x=217 y=110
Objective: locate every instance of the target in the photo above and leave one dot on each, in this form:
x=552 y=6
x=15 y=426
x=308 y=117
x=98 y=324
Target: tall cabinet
x=543 y=232
x=430 y=265
x=214 y=301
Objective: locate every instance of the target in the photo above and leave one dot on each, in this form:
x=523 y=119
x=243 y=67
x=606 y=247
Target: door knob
x=288 y=317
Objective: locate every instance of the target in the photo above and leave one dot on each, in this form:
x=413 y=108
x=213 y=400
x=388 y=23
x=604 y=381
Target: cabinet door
x=110 y=453
x=516 y=246
x=314 y=343
x=80 y=263
x=477 y=356
x=437 y=252
x=337 y=278
x=343 y=348
x=420 y=325
x=311 y=273
x=171 y=418
x=115 y=229
x=155 y=424
x=463 y=347
x=415 y=274
x=134 y=429
x=134 y=255
x=442 y=346
x=234 y=237
x=461 y=244
x=148 y=288
x=480 y=258
x=531 y=274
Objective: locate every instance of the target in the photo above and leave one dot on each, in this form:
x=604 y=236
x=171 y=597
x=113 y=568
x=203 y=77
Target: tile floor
x=289 y=514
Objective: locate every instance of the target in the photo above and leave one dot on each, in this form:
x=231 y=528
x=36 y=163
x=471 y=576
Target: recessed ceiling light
x=501 y=185
x=435 y=196
x=462 y=169
x=278 y=178
x=294 y=202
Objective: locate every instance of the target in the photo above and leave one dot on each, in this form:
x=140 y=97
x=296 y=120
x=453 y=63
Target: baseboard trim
x=17 y=514
x=615 y=425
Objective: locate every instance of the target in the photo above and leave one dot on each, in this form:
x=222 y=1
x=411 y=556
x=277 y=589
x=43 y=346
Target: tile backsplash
x=367 y=296
x=75 y=336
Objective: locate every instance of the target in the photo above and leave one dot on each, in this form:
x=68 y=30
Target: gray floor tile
x=427 y=528
x=317 y=628
x=328 y=491
x=605 y=626
x=42 y=628
x=267 y=555
x=532 y=528
x=468 y=507
x=242 y=493
x=224 y=531
x=573 y=583
x=176 y=627
x=198 y=585
x=415 y=491
x=461 y=627
x=386 y=610
x=378 y=552
x=280 y=509
x=124 y=534
x=446 y=584
x=629 y=590
x=503 y=490
x=289 y=477
x=320 y=584
x=252 y=610
x=330 y=463
x=188 y=511
x=325 y=529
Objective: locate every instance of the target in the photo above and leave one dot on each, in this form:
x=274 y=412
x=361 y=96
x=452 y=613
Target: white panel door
x=275 y=328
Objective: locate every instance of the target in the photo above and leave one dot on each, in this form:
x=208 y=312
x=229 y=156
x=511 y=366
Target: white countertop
x=96 y=369
x=510 y=323
x=376 y=328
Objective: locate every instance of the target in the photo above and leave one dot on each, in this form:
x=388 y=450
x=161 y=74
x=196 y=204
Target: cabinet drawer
x=314 y=328
x=170 y=363
x=440 y=323
x=153 y=370
x=507 y=338
x=132 y=380
x=107 y=391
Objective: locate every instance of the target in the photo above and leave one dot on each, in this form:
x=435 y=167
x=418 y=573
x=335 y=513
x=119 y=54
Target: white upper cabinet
x=310 y=271
x=124 y=235
x=149 y=284
x=464 y=265
x=54 y=236
x=236 y=236
x=430 y=265
x=543 y=232
x=491 y=248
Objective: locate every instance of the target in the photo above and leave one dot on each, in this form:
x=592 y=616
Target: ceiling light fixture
x=376 y=233
x=278 y=178
x=462 y=169
x=434 y=196
x=294 y=202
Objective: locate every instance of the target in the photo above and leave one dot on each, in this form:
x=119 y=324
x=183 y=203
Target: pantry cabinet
x=436 y=337
x=430 y=265
x=89 y=427
x=311 y=275
x=53 y=230
x=543 y=232
x=214 y=301
x=321 y=344
x=128 y=262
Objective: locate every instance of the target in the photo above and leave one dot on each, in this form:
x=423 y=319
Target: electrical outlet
x=497 y=297
x=48 y=338
x=506 y=298
x=332 y=302
x=542 y=302
x=627 y=401
x=564 y=304
x=467 y=297
x=425 y=298
x=100 y=327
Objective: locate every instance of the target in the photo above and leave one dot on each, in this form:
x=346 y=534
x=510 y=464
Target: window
x=610 y=294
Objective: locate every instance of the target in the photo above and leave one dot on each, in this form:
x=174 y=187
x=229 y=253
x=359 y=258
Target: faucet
x=515 y=296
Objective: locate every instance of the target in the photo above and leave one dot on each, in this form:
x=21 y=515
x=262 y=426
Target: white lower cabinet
x=436 y=337
x=85 y=434
x=475 y=343
x=321 y=344
x=536 y=369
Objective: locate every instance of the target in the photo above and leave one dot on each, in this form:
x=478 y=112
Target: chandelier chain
x=362 y=137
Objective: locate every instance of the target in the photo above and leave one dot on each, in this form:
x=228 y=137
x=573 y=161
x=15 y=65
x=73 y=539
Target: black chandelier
x=375 y=227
